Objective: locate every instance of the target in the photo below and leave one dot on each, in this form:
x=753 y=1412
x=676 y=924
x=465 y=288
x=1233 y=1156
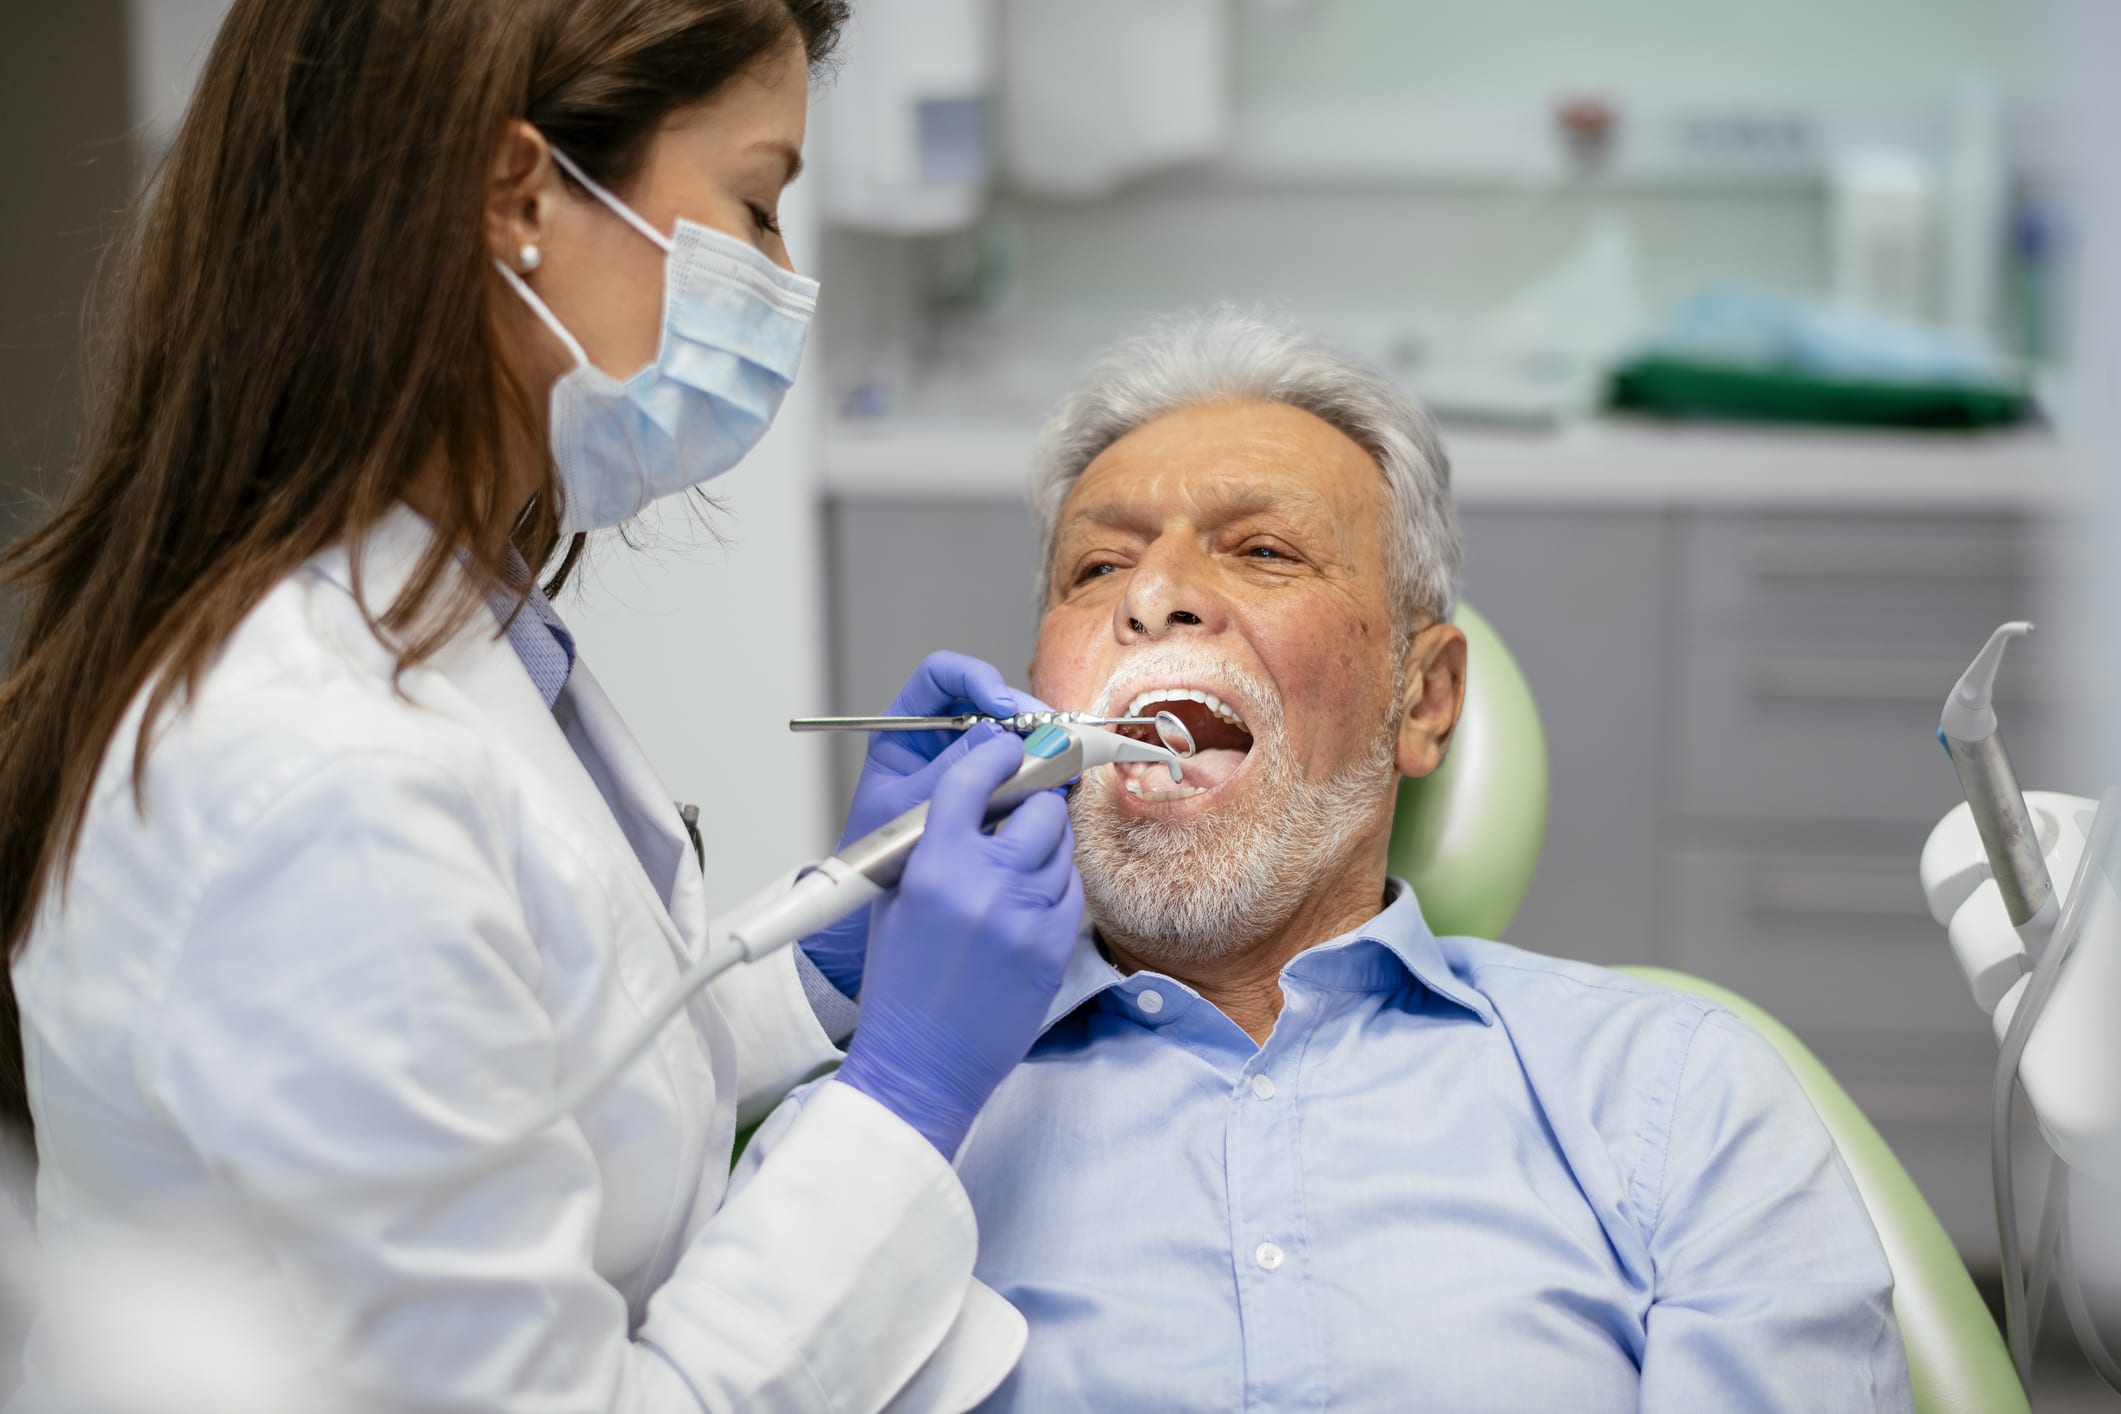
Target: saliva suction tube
x=1055 y=754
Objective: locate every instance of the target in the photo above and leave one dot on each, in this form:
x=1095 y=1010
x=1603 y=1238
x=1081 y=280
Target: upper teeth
x=1182 y=694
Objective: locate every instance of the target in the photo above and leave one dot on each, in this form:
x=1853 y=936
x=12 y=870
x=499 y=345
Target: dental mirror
x=1173 y=734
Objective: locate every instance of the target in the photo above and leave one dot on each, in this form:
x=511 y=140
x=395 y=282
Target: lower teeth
x=1135 y=788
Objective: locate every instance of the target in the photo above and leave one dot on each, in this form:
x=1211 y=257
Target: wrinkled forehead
x=1216 y=462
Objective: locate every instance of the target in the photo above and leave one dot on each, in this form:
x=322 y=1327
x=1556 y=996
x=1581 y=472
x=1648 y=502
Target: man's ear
x=1434 y=695
x=519 y=190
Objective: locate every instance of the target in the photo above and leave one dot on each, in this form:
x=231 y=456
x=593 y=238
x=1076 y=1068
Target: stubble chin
x=1202 y=888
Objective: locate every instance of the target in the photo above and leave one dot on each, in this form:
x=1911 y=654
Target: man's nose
x=1167 y=594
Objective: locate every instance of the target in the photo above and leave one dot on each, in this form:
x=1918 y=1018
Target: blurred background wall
x=1395 y=169
x=64 y=95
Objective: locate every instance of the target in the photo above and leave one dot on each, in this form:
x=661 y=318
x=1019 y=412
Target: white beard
x=1194 y=890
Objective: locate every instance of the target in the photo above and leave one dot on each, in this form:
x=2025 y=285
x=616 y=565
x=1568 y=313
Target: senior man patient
x=1279 y=1147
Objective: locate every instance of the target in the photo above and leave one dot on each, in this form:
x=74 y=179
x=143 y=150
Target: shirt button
x=1263 y=1087
x=1149 y=1001
x=1268 y=1256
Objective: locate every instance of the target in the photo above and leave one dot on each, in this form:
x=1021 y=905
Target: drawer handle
x=1822 y=893
x=1808 y=557
x=1860 y=680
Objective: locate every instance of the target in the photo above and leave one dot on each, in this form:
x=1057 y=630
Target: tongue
x=1211 y=767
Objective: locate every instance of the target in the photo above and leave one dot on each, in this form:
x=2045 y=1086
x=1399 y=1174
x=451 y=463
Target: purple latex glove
x=967 y=952
x=901 y=770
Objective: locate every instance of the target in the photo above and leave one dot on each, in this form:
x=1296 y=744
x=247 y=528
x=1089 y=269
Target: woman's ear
x=518 y=195
x=1434 y=695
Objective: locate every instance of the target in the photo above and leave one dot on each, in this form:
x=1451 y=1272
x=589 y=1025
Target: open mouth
x=1221 y=741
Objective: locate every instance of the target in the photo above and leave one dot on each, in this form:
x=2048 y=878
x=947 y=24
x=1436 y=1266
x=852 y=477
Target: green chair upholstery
x=1469 y=837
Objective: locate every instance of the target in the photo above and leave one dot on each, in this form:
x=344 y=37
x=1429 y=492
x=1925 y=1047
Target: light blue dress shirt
x=1458 y=1176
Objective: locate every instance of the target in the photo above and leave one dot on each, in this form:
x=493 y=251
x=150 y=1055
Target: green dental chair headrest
x=1468 y=836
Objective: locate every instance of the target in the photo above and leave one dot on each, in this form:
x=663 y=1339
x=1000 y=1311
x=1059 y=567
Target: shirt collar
x=1088 y=975
x=1385 y=951
x=534 y=629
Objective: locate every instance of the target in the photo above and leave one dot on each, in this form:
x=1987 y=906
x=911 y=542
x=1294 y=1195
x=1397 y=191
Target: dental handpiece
x=1973 y=738
x=1054 y=755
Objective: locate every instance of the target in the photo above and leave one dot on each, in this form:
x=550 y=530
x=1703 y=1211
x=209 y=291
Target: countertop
x=1604 y=462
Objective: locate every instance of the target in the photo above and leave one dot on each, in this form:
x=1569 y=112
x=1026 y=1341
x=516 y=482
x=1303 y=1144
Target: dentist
x=323 y=863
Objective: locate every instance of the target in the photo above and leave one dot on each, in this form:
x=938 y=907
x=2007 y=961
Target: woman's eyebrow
x=787 y=152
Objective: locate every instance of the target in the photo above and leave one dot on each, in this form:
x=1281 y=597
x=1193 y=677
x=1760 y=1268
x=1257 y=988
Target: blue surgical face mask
x=733 y=330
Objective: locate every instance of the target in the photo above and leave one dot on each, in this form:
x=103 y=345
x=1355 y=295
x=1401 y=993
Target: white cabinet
x=1814 y=652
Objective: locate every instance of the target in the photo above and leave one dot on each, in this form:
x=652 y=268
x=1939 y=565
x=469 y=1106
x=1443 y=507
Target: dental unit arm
x=1973 y=738
x=2045 y=964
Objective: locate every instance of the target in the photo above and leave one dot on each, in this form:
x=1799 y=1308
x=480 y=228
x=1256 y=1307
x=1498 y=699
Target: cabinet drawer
x=1829 y=735
x=1856 y=584
x=1840 y=949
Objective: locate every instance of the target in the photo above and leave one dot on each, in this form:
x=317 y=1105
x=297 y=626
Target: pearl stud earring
x=529 y=258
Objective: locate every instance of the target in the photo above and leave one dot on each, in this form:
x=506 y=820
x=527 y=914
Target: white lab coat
x=358 y=932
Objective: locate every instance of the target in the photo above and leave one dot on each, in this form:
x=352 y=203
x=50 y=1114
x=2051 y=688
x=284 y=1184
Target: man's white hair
x=1226 y=354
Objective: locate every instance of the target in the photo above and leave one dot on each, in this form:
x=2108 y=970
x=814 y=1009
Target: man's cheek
x=1066 y=671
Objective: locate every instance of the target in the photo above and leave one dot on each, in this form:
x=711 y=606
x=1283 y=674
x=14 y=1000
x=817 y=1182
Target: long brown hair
x=302 y=317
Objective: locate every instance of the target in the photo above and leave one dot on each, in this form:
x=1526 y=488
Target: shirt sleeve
x=1772 y=1292
x=988 y=1336
x=783 y=1035
x=836 y=1011
x=355 y=1006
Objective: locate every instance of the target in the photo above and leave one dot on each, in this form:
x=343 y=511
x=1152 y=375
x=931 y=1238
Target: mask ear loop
x=543 y=312
x=522 y=288
x=625 y=212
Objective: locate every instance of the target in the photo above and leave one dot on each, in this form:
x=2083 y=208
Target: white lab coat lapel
x=491 y=678
x=488 y=688
x=495 y=694
x=758 y=1025
x=642 y=808
x=653 y=834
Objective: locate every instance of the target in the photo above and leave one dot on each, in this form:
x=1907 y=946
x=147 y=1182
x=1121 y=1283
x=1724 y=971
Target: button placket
x=1276 y=1306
